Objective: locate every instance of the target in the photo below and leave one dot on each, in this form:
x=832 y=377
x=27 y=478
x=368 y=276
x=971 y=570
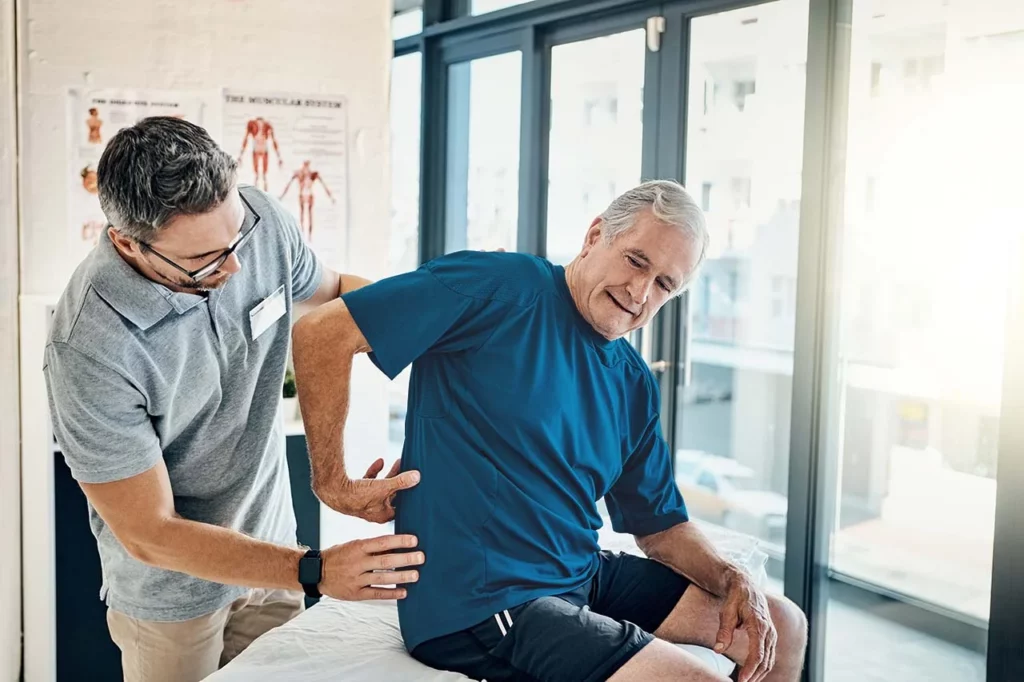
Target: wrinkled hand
x=359 y=570
x=746 y=608
x=371 y=498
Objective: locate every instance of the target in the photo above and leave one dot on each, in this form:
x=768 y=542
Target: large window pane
x=405 y=162
x=483 y=153
x=931 y=181
x=744 y=153
x=596 y=95
x=403 y=254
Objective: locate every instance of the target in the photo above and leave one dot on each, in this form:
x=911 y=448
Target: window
x=741 y=90
x=403 y=254
x=736 y=408
x=405 y=162
x=910 y=70
x=920 y=368
x=601 y=110
x=923 y=196
x=931 y=68
x=596 y=94
x=483 y=153
x=778 y=294
x=876 y=79
x=702 y=316
x=919 y=73
x=740 y=192
x=705 y=196
x=734 y=286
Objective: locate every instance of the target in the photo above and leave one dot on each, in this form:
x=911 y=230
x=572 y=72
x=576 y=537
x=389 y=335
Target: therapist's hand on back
x=370 y=498
x=364 y=569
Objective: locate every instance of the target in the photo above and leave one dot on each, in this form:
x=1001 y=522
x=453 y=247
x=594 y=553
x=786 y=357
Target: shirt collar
x=140 y=300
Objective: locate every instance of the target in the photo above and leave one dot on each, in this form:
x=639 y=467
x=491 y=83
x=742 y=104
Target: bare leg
x=265 y=159
x=255 y=169
x=659 y=661
x=304 y=218
x=696 y=618
x=309 y=209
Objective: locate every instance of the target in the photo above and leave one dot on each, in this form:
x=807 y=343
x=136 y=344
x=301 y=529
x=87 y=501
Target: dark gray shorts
x=584 y=635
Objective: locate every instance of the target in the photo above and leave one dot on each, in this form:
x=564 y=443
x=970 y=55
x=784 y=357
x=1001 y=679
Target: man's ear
x=125 y=245
x=593 y=236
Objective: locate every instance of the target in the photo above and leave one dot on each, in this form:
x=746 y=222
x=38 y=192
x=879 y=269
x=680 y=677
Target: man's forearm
x=686 y=550
x=323 y=356
x=219 y=555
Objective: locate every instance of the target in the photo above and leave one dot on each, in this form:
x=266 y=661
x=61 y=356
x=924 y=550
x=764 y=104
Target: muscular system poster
x=94 y=116
x=294 y=147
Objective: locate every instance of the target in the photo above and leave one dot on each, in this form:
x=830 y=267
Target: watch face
x=309 y=570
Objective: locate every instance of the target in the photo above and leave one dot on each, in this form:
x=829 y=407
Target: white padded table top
x=360 y=641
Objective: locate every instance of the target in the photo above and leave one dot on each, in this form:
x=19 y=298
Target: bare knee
x=791 y=626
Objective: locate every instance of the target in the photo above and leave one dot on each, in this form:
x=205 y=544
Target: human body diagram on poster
x=307 y=137
x=260 y=131
x=306 y=178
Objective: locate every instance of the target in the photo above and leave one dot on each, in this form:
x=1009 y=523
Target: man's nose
x=640 y=289
x=231 y=265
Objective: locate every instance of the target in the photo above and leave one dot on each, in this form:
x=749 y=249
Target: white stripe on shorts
x=501 y=626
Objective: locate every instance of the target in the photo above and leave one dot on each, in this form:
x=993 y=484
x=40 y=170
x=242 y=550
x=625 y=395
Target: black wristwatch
x=311 y=572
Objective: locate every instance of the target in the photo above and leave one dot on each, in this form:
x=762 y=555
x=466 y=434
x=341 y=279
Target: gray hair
x=158 y=169
x=670 y=203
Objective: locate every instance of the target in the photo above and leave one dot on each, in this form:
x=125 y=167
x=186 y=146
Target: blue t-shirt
x=520 y=418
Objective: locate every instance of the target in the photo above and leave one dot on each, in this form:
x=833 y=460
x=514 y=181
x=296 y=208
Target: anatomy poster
x=295 y=147
x=94 y=116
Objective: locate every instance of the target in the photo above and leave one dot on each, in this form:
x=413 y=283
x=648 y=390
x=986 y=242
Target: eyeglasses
x=213 y=266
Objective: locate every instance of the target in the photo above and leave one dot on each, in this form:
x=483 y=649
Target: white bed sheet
x=361 y=642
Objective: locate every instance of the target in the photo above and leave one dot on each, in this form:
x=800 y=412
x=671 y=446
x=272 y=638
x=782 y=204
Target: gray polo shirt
x=136 y=372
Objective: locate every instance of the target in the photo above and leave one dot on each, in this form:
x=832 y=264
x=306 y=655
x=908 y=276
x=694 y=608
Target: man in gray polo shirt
x=164 y=369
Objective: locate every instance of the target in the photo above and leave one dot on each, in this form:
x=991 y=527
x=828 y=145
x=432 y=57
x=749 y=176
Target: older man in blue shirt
x=526 y=407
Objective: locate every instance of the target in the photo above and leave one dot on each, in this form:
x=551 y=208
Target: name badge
x=267 y=312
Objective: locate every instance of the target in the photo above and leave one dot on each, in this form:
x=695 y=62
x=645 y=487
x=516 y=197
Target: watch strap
x=310 y=566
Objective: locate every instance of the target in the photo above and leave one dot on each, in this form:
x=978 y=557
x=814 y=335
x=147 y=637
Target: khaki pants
x=190 y=650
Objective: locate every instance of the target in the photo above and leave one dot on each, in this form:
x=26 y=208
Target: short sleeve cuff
x=390 y=370
x=361 y=305
x=654 y=524
x=312 y=283
x=109 y=475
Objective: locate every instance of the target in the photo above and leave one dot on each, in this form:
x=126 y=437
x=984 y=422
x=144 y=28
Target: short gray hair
x=670 y=203
x=158 y=169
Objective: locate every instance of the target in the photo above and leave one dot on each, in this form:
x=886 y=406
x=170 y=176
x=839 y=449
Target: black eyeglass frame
x=214 y=265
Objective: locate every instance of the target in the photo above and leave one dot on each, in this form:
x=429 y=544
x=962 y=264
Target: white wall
x=10 y=510
x=326 y=46
x=314 y=46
